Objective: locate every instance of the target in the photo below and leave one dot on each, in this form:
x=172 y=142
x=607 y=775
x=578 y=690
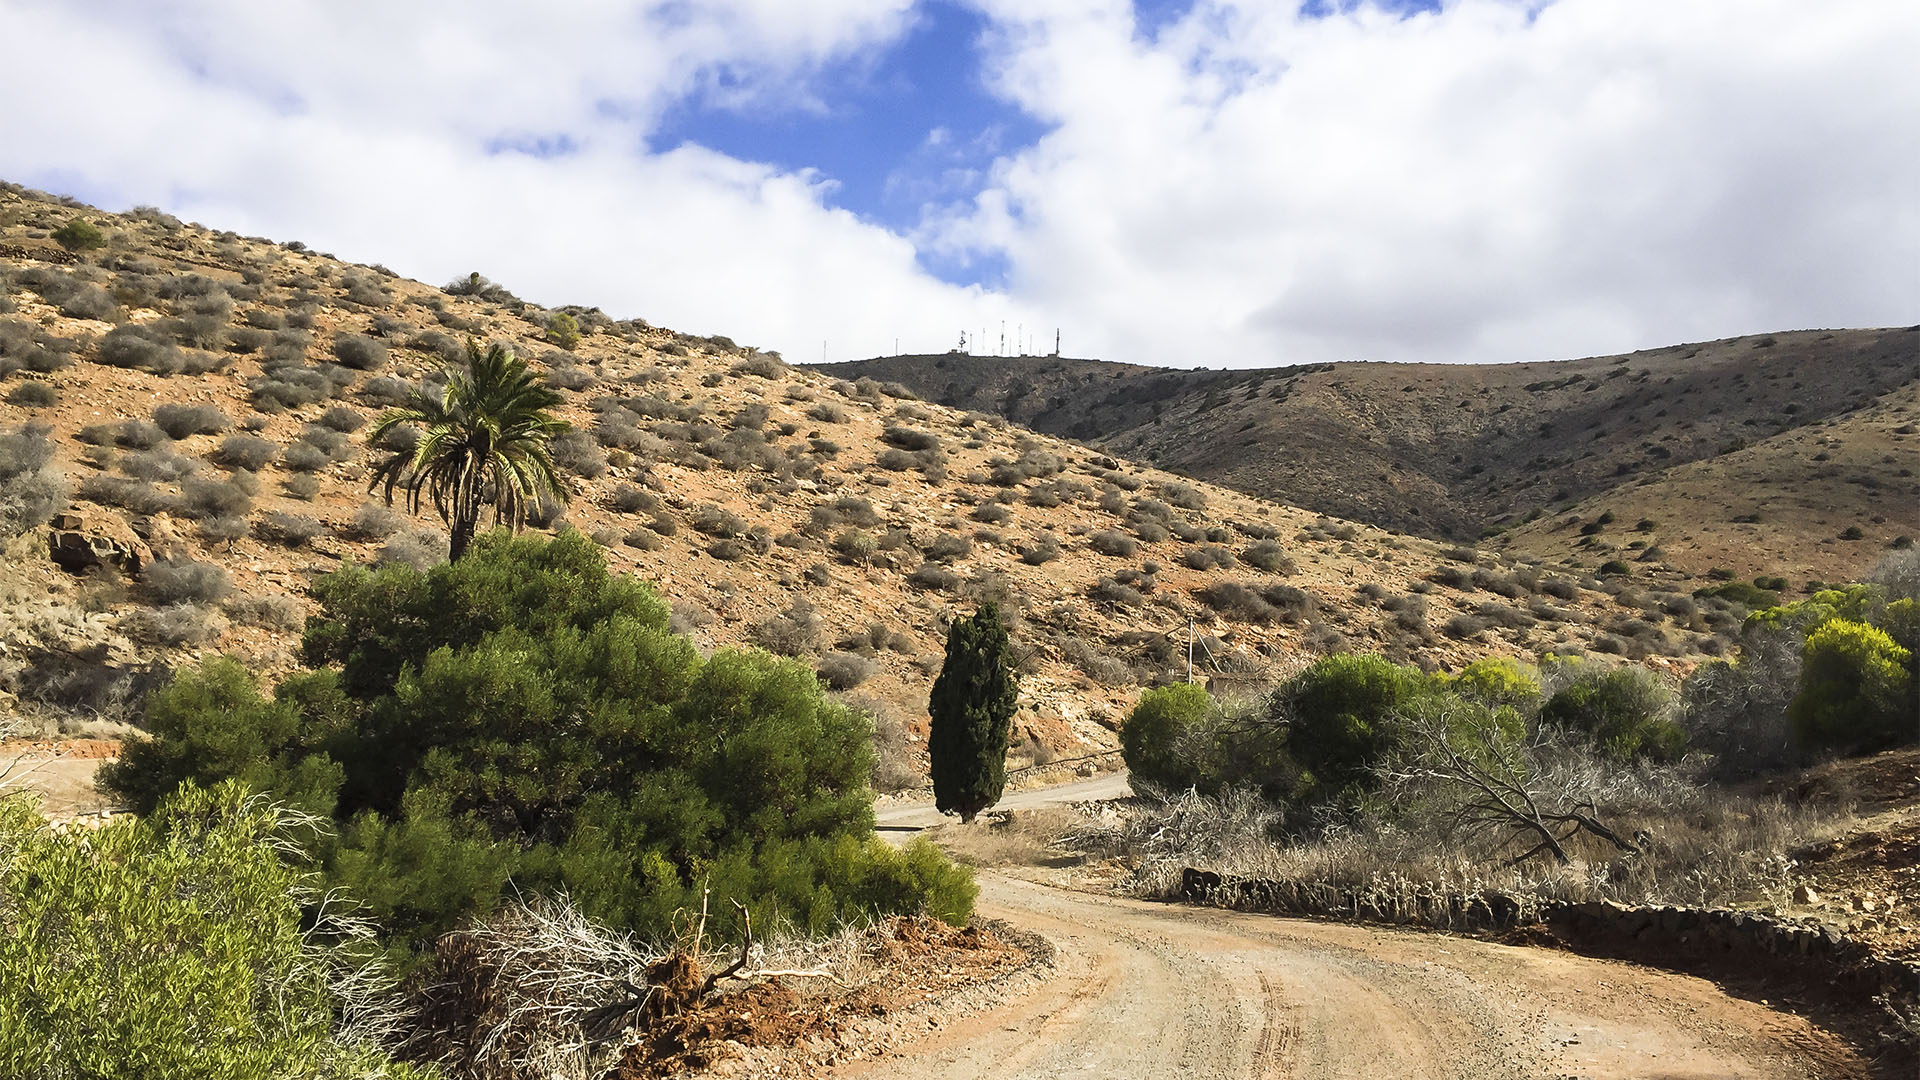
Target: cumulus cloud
x=1492 y=181
x=1244 y=184
x=442 y=138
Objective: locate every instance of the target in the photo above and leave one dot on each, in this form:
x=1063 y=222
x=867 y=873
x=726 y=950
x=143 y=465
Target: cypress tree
x=972 y=710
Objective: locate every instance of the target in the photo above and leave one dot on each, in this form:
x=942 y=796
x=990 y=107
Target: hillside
x=1459 y=450
x=205 y=396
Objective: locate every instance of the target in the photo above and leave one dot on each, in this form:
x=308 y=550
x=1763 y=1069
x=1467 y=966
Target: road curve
x=911 y=817
x=1152 y=991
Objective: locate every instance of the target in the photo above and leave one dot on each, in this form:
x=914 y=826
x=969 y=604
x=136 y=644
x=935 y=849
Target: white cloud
x=365 y=130
x=1491 y=182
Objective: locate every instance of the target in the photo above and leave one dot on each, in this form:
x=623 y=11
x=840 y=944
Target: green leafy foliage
x=522 y=720
x=971 y=707
x=563 y=330
x=79 y=234
x=1154 y=734
x=1624 y=710
x=1497 y=681
x=170 y=945
x=1340 y=714
x=1854 y=689
x=485 y=443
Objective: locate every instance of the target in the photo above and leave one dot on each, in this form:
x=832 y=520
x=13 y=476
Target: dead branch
x=1496 y=784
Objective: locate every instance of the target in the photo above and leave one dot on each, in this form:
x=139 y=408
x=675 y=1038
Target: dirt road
x=1150 y=990
x=911 y=817
x=1147 y=990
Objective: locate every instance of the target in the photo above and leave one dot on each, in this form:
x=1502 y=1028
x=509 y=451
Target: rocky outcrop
x=81 y=540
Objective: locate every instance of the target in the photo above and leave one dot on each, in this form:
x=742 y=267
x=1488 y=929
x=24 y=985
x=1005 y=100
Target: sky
x=1222 y=183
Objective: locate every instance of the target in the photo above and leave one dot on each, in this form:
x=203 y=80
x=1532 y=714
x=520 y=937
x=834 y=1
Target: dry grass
x=1015 y=838
x=1699 y=846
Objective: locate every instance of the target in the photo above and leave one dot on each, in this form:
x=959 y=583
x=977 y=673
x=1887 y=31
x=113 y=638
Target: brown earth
x=1154 y=990
x=1827 y=420
x=722 y=462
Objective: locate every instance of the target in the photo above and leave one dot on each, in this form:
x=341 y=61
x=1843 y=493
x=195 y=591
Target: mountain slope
x=771 y=505
x=1446 y=450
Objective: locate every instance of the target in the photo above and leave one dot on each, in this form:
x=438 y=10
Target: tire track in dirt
x=1159 y=991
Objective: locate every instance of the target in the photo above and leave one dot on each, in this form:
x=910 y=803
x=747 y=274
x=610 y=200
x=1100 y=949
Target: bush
x=1044 y=549
x=420 y=549
x=843 y=670
x=1267 y=555
x=947 y=547
x=172 y=945
x=92 y=302
x=176 y=626
x=342 y=419
x=271 y=611
x=79 y=234
x=1624 y=710
x=290 y=530
x=1854 y=694
x=1155 y=735
x=140 y=348
x=187 y=582
x=563 y=330
x=32 y=490
x=523 y=722
x=33 y=395
x=1342 y=715
x=181 y=421
x=577 y=453
x=249 y=452
x=303 y=456
x=1113 y=543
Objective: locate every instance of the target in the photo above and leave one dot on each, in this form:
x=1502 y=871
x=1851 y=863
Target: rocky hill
x=202 y=400
x=1693 y=435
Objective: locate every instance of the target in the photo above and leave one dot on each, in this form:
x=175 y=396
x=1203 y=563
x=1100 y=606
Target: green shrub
x=1853 y=689
x=1497 y=681
x=1622 y=709
x=523 y=720
x=563 y=330
x=79 y=234
x=170 y=945
x=1340 y=714
x=1154 y=735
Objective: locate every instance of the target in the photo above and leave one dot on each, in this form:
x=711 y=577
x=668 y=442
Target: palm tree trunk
x=458 y=540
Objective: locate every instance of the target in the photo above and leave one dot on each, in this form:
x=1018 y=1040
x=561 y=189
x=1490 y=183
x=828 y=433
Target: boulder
x=80 y=540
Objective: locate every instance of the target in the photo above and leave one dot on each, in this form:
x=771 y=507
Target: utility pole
x=1056 y=341
x=1189 y=648
x=1003 y=338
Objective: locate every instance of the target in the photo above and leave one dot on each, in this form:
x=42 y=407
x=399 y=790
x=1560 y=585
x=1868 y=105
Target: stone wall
x=1709 y=942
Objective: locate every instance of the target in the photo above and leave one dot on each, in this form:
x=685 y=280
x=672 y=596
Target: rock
x=81 y=540
x=1804 y=894
x=161 y=536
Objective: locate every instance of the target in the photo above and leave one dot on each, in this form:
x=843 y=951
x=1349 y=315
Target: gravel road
x=1148 y=990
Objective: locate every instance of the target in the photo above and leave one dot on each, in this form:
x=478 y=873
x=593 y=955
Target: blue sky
x=894 y=130
x=1178 y=182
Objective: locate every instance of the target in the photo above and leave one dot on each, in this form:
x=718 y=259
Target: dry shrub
x=1696 y=844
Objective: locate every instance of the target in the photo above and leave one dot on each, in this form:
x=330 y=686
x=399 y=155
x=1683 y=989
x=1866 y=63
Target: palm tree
x=485 y=442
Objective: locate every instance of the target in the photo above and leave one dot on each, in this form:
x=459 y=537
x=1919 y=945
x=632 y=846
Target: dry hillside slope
x=209 y=393
x=1457 y=450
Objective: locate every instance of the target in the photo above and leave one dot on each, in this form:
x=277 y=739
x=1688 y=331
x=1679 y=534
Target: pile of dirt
x=909 y=963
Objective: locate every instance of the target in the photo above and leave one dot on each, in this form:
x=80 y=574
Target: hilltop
x=1810 y=431
x=205 y=395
